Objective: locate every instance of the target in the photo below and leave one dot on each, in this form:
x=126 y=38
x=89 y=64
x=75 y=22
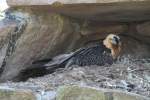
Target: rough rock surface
x=43 y=2
x=99 y=10
x=83 y=93
x=37 y=36
x=7 y=26
x=70 y=92
x=11 y=94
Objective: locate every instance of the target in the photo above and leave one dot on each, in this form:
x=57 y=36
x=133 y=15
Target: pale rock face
x=44 y=2
x=98 y=10
x=35 y=37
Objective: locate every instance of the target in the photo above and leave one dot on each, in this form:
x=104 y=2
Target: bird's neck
x=115 y=51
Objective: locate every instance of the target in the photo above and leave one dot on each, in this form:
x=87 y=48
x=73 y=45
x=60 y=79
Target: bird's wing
x=63 y=58
x=59 y=59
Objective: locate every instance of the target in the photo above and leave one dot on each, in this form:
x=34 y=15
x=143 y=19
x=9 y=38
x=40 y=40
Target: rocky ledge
x=83 y=93
x=69 y=93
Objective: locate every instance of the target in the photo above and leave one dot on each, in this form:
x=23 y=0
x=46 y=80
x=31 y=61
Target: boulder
x=36 y=36
x=8 y=94
x=6 y=28
x=44 y=2
x=97 y=10
x=86 y=93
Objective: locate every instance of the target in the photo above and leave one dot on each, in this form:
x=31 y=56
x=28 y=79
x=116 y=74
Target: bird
x=106 y=52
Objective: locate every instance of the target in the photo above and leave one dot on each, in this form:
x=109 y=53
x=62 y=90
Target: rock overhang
x=96 y=10
x=49 y=2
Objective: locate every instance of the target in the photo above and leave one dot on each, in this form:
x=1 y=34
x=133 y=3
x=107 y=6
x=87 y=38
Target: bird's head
x=113 y=42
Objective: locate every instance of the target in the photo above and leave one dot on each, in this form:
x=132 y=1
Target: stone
x=16 y=95
x=98 y=10
x=77 y=93
x=37 y=36
x=44 y=2
x=125 y=96
x=86 y=93
x=7 y=26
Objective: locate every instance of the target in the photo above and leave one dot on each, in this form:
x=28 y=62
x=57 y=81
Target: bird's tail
x=59 y=60
x=42 y=61
x=45 y=66
x=52 y=63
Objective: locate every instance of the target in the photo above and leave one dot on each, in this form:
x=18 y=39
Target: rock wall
x=37 y=36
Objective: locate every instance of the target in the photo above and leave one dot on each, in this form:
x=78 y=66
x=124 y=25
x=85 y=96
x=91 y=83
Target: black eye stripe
x=116 y=39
